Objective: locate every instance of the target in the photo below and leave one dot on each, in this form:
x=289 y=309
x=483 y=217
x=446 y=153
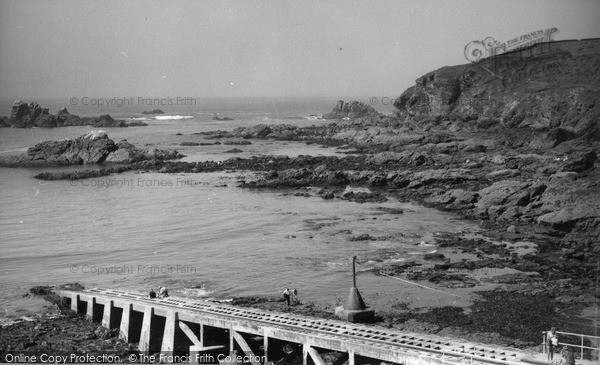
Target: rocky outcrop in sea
x=153 y=112
x=94 y=147
x=25 y=115
x=351 y=110
x=127 y=153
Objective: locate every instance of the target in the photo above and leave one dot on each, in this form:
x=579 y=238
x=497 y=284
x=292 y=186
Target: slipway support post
x=314 y=355
x=198 y=345
x=304 y=354
x=144 y=345
x=75 y=303
x=108 y=309
x=231 y=343
x=266 y=347
x=168 y=340
x=90 y=309
x=190 y=334
x=124 y=327
x=201 y=337
x=245 y=347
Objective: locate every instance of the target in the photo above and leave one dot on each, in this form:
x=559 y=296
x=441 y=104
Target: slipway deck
x=118 y=309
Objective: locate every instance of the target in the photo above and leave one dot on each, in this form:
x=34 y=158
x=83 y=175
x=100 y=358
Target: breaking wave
x=137 y=118
x=173 y=117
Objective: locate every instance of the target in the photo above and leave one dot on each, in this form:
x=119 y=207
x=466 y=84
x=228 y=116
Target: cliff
x=549 y=87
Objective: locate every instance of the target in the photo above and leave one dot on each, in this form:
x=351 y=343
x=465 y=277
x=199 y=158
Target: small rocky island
x=217 y=117
x=351 y=110
x=30 y=115
x=153 y=112
x=94 y=147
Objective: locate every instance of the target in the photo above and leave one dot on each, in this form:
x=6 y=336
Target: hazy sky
x=255 y=48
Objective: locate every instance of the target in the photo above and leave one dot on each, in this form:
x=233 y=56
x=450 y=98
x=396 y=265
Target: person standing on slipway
x=286 y=296
x=551 y=342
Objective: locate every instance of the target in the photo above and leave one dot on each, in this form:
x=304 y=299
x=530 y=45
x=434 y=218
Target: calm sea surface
x=197 y=234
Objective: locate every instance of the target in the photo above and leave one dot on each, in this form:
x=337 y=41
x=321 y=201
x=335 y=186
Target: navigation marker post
x=355 y=310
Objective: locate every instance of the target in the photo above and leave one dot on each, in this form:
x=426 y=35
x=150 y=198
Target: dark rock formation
x=352 y=109
x=153 y=112
x=581 y=161
x=4 y=122
x=128 y=153
x=61 y=333
x=507 y=199
x=454 y=199
x=25 y=115
x=106 y=121
x=91 y=148
x=236 y=141
x=234 y=150
x=257 y=131
x=67 y=119
x=546 y=87
x=216 y=117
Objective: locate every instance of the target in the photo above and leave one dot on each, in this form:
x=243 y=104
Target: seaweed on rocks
x=68 y=335
x=516 y=316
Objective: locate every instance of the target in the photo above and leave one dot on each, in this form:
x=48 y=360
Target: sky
x=80 y=48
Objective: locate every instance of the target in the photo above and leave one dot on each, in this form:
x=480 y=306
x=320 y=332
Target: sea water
x=200 y=235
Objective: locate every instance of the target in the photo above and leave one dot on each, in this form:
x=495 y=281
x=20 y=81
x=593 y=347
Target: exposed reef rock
x=128 y=153
x=25 y=115
x=93 y=147
x=352 y=110
x=217 y=117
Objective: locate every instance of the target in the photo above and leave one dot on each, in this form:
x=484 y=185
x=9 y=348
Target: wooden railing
x=581 y=345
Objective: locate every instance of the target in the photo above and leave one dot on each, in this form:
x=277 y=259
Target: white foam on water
x=195 y=292
x=173 y=117
x=137 y=118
